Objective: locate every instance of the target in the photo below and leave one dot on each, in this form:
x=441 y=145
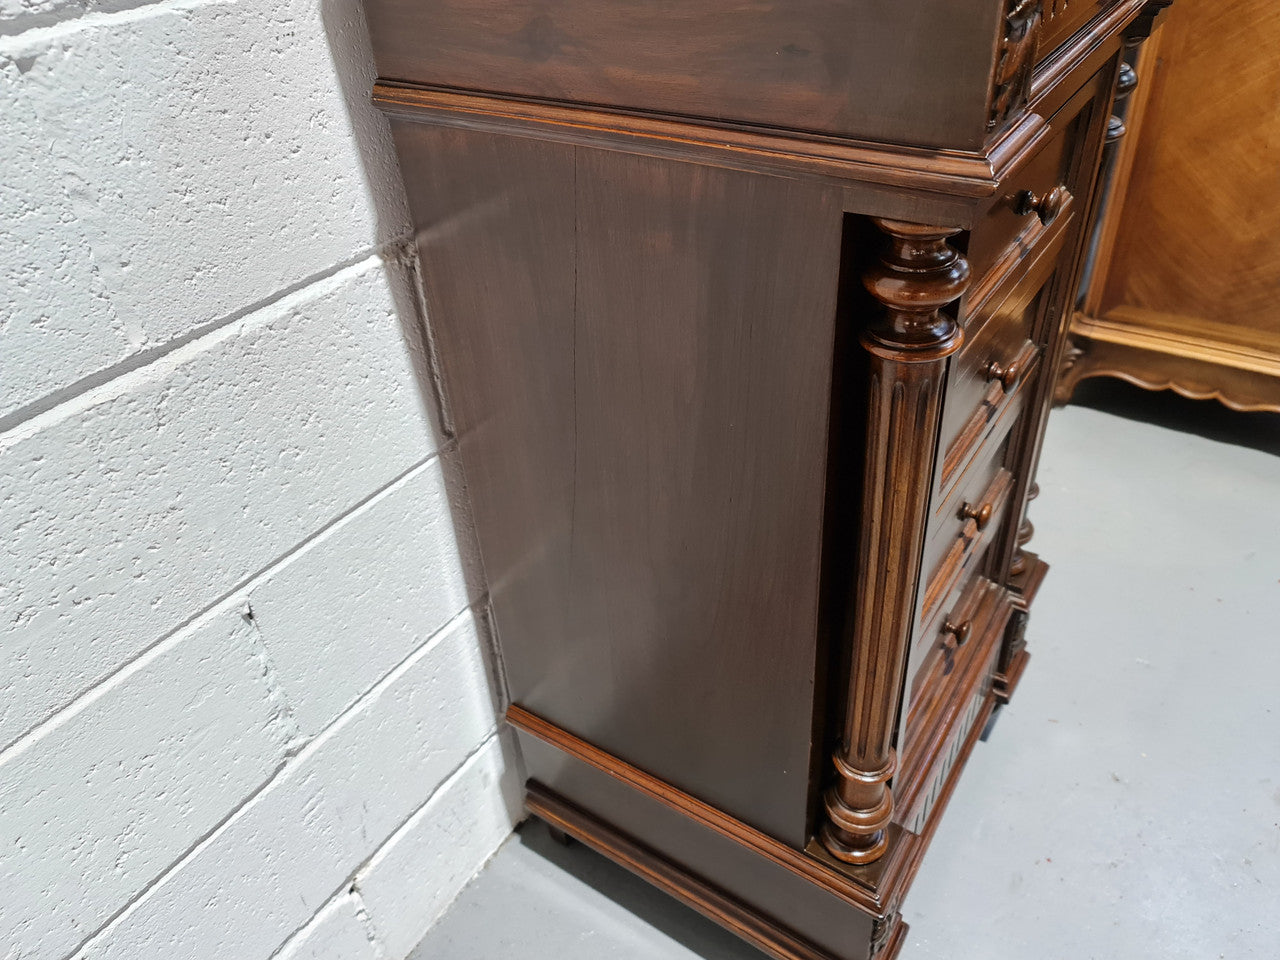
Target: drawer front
x=1032 y=199
x=942 y=711
x=972 y=499
x=987 y=378
x=960 y=552
x=988 y=392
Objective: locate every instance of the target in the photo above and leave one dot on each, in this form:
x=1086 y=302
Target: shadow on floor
x=1204 y=418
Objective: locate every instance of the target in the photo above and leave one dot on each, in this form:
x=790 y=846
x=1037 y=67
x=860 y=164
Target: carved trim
x=1126 y=83
x=887 y=937
x=1067 y=374
x=1181 y=337
x=1011 y=85
x=909 y=341
x=1080 y=49
x=1140 y=357
x=1024 y=587
x=917 y=275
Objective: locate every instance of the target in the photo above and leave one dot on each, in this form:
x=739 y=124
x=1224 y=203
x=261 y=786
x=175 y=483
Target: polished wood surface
x=908 y=344
x=849 y=68
x=644 y=438
x=1062 y=18
x=952 y=186
x=743 y=315
x=1184 y=290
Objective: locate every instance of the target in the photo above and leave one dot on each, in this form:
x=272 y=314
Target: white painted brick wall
x=302 y=840
x=247 y=708
x=170 y=166
x=415 y=875
x=337 y=932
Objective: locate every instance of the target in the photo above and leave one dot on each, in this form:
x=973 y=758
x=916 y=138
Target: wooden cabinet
x=744 y=316
x=1183 y=290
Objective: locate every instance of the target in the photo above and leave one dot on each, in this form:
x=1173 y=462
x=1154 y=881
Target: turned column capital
x=916 y=275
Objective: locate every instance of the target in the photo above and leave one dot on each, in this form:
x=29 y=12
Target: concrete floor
x=1127 y=804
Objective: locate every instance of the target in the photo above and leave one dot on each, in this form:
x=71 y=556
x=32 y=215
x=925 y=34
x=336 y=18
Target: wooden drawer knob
x=1045 y=207
x=979 y=515
x=1007 y=375
x=958 y=632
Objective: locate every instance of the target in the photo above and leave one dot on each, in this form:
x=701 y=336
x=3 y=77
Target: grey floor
x=1127 y=804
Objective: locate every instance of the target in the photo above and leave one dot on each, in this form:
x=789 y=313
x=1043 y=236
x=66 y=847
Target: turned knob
x=1007 y=375
x=979 y=515
x=1045 y=207
x=958 y=631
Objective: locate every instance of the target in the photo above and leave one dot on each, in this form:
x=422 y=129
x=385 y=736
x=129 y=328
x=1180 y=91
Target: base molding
x=752 y=926
x=727 y=870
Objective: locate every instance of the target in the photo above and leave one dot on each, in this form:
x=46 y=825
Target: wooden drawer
x=968 y=502
x=986 y=380
x=1032 y=200
x=946 y=698
x=959 y=548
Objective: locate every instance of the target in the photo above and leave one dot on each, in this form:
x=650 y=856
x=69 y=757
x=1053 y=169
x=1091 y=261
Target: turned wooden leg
x=559 y=836
x=908 y=343
x=1025 y=532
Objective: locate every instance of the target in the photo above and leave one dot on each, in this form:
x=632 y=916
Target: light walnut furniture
x=747 y=316
x=1185 y=288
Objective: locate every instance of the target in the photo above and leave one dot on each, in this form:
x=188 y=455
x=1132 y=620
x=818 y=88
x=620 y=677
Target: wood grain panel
x=638 y=356
x=920 y=75
x=1198 y=235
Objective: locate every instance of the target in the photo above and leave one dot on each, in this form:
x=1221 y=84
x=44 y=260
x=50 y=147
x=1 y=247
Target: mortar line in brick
x=46 y=31
x=351 y=884
x=494 y=733
x=26 y=24
x=278 y=773
x=276 y=693
x=231 y=598
x=366 y=921
x=103 y=385
x=357 y=906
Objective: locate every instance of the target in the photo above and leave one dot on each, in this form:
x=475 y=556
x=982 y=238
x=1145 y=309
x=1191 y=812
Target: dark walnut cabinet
x=746 y=316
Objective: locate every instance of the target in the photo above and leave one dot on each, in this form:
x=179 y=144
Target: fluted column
x=918 y=274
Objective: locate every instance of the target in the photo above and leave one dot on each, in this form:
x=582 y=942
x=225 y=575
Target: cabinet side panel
x=637 y=355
